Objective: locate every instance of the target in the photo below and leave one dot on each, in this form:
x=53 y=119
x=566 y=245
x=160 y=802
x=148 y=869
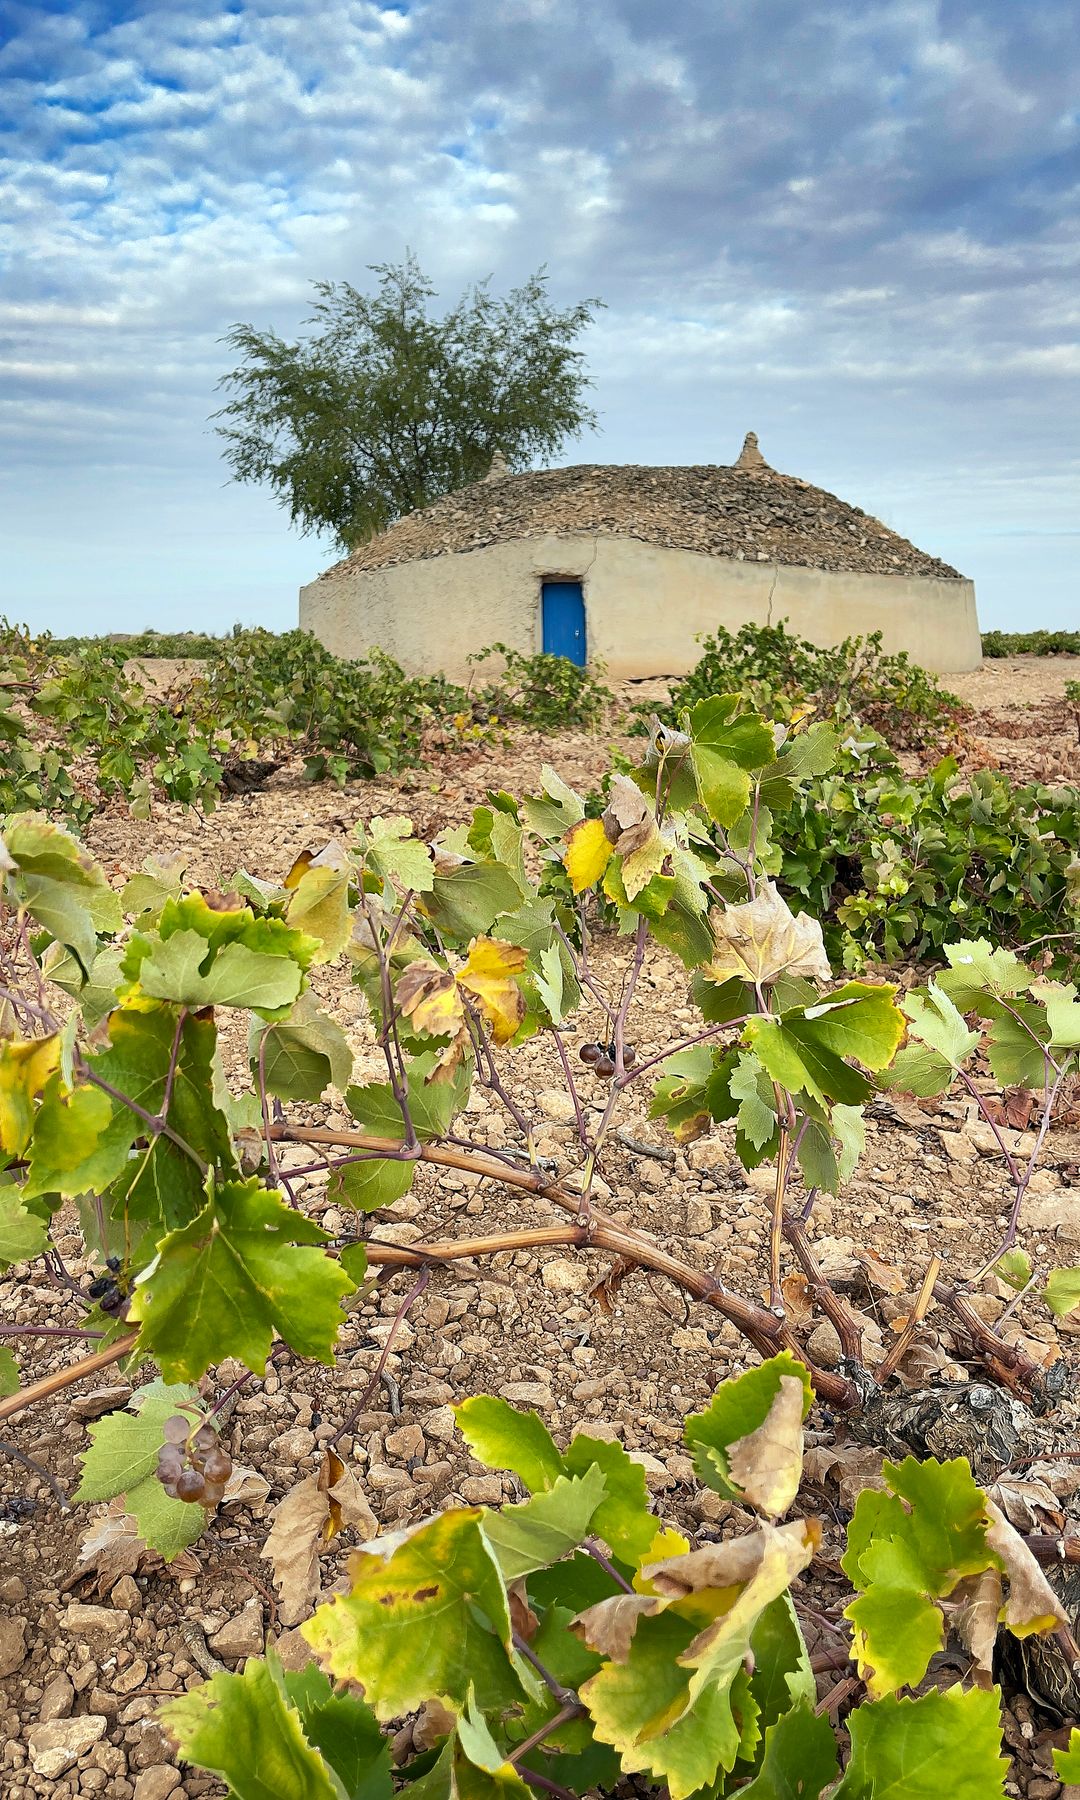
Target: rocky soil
x=85 y=1660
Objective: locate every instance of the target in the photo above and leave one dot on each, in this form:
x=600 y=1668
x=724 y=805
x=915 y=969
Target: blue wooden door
x=563 y=612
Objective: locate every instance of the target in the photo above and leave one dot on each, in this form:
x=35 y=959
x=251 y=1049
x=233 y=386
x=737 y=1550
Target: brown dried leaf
x=880 y=1274
x=798 y=1302
x=767 y=1463
x=853 y=1467
x=609 y=1626
x=630 y=826
x=1020 y=1500
x=974 y=1608
x=1032 y=1604
x=763 y=938
x=245 y=1487
x=309 y=1517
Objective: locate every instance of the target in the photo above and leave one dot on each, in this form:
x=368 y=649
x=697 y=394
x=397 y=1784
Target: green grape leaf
x=395 y=854
x=319 y=907
x=549 y=982
x=23 y=1234
x=1015 y=1267
x=558 y=811
x=782 y=1676
x=804 y=1050
x=245 y=1269
x=623 y=1518
x=503 y=1438
x=1062 y=1013
x=345 y=1731
x=906 y=1550
x=463 y=904
x=9 y=1373
x=799 y=1760
x=1015 y=1046
x=60 y=884
x=267 y=981
x=302 y=1053
x=379 y=1181
x=242 y=1728
x=935 y=1021
x=976 y=970
x=427 y=1621
x=122 y=1459
x=917 y=1070
x=751 y=1087
x=1062 y=1292
x=738 y=1411
x=720 y=1002
x=723 y=747
x=1067 y=1761
x=544 y=1529
x=83 y=1140
x=680 y=1095
x=941 y=1743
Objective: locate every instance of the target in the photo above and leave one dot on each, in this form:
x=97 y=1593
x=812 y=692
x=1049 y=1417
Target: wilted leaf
x=763 y=938
x=1031 y=1604
x=738 y=1409
x=489 y=976
x=767 y=1463
x=308 y=1519
x=630 y=825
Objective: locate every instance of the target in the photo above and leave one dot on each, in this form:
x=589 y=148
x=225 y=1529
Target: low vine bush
x=258 y=695
x=854 y=683
x=561 y=1643
x=113 y=1096
x=1031 y=643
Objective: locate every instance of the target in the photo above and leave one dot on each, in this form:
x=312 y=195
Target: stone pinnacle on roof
x=499 y=467
x=750 y=456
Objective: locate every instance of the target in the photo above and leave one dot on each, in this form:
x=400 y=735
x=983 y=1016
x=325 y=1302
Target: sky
x=853 y=228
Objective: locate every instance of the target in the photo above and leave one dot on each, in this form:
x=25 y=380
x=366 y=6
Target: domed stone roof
x=745 y=510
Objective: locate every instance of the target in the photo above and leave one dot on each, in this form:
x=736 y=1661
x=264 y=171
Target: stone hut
x=627 y=566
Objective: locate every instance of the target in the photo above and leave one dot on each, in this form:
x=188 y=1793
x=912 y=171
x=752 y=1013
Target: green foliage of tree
x=385 y=406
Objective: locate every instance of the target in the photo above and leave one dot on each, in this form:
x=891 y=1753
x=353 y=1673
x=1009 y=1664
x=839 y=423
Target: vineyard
x=540 y=1226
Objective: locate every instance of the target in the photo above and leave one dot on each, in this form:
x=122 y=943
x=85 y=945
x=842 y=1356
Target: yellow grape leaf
x=587 y=854
x=429 y=997
x=25 y=1067
x=763 y=939
x=489 y=977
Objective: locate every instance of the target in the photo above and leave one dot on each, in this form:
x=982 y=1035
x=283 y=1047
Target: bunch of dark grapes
x=110 y=1293
x=193 y=1465
x=601 y=1058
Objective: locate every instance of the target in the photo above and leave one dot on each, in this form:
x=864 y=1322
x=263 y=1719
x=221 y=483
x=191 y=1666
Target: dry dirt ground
x=93 y=1659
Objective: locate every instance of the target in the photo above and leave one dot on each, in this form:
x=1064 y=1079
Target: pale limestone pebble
x=527 y=1393
x=440 y=1424
x=12 y=1644
x=57 y=1700
x=100 y=1401
x=566 y=1275
x=57 y=1744
x=406 y=1442
x=157 y=1782
x=242 y=1635
x=482 y=1490
x=95 y=1621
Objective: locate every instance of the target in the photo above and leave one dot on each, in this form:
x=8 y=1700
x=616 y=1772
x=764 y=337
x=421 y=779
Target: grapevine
x=113 y=1092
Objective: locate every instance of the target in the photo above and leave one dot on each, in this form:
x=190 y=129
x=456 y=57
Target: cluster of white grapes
x=193 y=1465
